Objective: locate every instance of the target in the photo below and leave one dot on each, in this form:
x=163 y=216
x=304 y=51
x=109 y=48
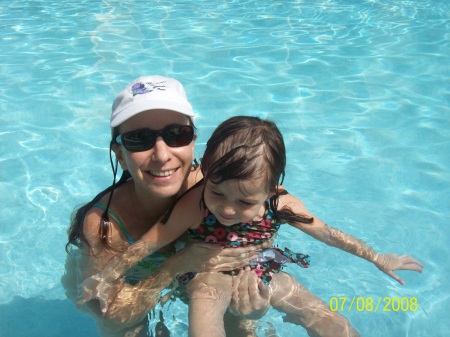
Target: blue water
x=359 y=88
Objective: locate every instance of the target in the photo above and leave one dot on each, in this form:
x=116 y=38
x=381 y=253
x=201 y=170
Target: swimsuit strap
x=268 y=212
x=116 y=219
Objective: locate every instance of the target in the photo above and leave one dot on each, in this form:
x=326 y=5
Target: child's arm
x=186 y=213
x=387 y=263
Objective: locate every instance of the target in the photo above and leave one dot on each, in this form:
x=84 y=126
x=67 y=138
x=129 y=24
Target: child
x=240 y=202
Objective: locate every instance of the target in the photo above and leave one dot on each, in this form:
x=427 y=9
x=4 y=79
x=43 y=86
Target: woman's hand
x=250 y=297
x=387 y=263
x=198 y=257
x=97 y=288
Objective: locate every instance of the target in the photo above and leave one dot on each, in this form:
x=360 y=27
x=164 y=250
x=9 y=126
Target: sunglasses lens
x=145 y=139
x=178 y=136
x=139 y=140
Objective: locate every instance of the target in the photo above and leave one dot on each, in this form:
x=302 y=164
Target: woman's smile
x=165 y=173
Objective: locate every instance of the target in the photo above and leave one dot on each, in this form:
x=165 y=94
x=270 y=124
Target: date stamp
x=371 y=304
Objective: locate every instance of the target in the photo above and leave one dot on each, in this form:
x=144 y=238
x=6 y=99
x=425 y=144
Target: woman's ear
x=117 y=149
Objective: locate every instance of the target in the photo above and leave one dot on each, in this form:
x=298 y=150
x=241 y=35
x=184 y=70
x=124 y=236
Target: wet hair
x=248 y=148
x=75 y=231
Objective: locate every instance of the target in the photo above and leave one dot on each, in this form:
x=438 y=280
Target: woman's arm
x=185 y=214
x=115 y=308
x=100 y=281
x=387 y=263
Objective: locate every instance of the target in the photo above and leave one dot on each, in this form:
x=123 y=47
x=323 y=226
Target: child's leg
x=304 y=308
x=209 y=298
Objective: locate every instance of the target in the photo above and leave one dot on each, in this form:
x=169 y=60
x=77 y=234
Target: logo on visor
x=144 y=88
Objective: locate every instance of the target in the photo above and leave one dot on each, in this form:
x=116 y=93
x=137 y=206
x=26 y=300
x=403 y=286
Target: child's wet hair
x=248 y=148
x=245 y=148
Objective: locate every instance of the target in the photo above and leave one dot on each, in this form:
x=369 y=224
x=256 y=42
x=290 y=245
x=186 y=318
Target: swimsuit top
x=240 y=234
x=270 y=261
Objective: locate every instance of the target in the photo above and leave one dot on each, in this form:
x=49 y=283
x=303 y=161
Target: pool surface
x=360 y=90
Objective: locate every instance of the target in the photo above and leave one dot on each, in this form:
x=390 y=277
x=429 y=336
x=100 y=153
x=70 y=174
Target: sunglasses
x=144 y=139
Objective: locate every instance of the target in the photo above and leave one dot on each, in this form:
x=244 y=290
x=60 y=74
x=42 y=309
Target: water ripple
x=359 y=89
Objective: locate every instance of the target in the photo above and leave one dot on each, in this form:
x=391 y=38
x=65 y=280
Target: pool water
x=360 y=90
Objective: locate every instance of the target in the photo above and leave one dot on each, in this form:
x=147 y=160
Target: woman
x=153 y=178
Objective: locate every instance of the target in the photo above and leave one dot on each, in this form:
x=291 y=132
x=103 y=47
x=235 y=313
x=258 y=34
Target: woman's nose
x=161 y=152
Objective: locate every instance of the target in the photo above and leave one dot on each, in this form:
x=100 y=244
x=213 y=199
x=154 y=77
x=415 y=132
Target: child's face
x=234 y=201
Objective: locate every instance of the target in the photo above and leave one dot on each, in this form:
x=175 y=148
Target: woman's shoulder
x=92 y=228
x=195 y=193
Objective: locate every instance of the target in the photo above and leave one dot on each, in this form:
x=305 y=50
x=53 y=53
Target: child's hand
x=387 y=263
x=95 y=287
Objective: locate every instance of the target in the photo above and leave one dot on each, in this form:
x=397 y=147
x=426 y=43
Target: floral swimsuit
x=250 y=233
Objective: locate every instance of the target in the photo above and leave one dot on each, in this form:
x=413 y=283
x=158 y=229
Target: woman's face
x=161 y=170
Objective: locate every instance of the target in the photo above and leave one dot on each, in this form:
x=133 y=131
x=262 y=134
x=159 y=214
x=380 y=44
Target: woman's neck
x=149 y=205
x=138 y=209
